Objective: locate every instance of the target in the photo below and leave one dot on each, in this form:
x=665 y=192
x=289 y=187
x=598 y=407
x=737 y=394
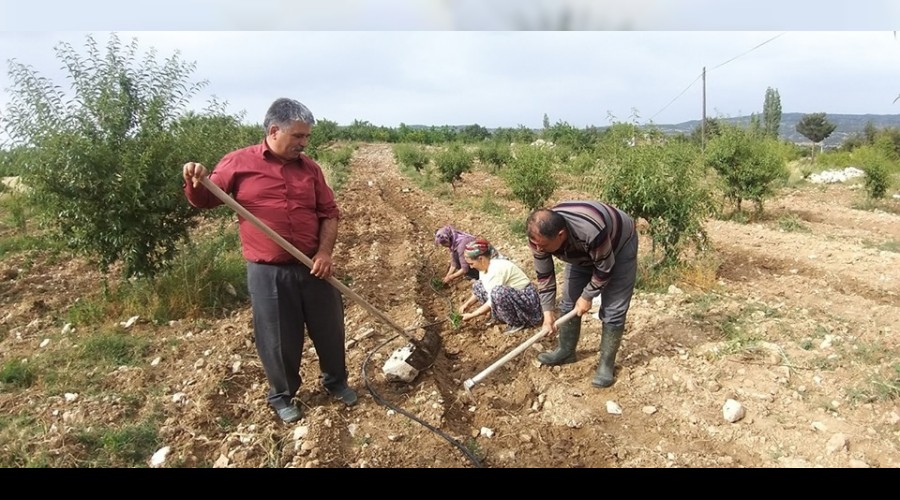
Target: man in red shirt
x=287 y=191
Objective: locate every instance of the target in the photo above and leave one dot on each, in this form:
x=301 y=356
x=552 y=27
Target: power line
x=716 y=67
x=676 y=97
x=749 y=51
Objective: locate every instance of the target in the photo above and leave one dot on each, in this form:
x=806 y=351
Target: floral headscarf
x=479 y=247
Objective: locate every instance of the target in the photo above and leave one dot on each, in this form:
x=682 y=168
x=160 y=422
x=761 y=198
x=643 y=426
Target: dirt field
x=800 y=327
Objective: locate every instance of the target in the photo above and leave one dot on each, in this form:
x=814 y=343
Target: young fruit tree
x=104 y=162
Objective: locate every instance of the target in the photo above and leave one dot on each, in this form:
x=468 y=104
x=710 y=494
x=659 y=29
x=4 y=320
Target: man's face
x=289 y=142
x=547 y=245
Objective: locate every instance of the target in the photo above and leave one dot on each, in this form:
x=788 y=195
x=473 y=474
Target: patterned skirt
x=511 y=306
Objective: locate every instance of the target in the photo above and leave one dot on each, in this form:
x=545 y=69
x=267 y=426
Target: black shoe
x=289 y=414
x=513 y=329
x=345 y=394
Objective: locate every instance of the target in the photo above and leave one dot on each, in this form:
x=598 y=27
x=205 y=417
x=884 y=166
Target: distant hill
x=846 y=125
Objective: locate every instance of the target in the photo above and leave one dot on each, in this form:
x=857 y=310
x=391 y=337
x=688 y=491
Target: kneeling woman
x=502 y=288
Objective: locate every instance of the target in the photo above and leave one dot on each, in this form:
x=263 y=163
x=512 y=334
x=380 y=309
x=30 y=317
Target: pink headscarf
x=444 y=236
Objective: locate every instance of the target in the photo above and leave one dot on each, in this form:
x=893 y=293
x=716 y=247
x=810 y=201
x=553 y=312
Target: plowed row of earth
x=798 y=326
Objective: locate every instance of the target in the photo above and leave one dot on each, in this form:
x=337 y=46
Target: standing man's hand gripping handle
x=193 y=172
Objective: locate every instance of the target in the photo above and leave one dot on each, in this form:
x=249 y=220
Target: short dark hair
x=544 y=222
x=283 y=112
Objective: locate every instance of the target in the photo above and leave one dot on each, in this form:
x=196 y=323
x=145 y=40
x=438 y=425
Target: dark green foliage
x=563 y=134
x=105 y=162
x=17 y=373
x=494 y=155
x=748 y=165
x=771 y=120
x=519 y=135
x=453 y=162
x=473 y=133
x=323 y=133
x=530 y=176
x=206 y=137
x=662 y=184
x=711 y=127
x=875 y=162
x=816 y=128
x=411 y=156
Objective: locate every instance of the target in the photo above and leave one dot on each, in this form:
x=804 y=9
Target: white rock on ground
x=733 y=411
x=159 y=457
x=613 y=408
x=396 y=367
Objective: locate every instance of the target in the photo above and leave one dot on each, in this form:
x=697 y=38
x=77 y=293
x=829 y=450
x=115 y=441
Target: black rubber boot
x=569 y=332
x=609 y=346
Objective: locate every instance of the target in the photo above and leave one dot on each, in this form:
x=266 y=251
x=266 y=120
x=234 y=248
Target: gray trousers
x=287 y=299
x=615 y=297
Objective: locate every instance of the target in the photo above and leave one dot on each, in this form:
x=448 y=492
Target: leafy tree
x=816 y=128
x=748 y=165
x=411 y=155
x=106 y=161
x=520 y=134
x=712 y=129
x=453 y=162
x=546 y=121
x=530 y=176
x=771 y=113
x=494 y=154
x=662 y=184
x=473 y=133
x=875 y=163
x=323 y=133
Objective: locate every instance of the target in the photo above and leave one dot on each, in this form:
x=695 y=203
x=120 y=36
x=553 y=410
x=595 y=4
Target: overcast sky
x=397 y=61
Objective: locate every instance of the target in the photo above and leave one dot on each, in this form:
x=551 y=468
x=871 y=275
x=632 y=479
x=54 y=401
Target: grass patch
x=791 y=224
x=113 y=348
x=490 y=206
x=20 y=440
x=700 y=273
x=881 y=387
x=208 y=278
x=884 y=246
x=875 y=205
x=126 y=446
x=17 y=373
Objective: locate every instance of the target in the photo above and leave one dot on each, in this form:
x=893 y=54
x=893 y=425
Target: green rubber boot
x=569 y=332
x=609 y=346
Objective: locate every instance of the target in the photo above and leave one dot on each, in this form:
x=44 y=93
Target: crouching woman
x=502 y=289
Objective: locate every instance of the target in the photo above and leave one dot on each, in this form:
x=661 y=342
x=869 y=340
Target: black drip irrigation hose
x=378 y=399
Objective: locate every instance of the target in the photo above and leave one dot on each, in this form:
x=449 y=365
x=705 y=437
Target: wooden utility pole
x=703 y=121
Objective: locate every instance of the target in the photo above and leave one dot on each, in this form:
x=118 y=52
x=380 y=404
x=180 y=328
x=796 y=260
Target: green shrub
x=411 y=156
x=877 y=167
x=664 y=185
x=530 y=176
x=747 y=163
x=494 y=155
x=17 y=374
x=453 y=162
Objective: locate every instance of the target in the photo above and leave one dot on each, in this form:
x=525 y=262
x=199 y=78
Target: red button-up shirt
x=290 y=197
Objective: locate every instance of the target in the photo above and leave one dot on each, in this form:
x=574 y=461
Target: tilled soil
x=799 y=326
